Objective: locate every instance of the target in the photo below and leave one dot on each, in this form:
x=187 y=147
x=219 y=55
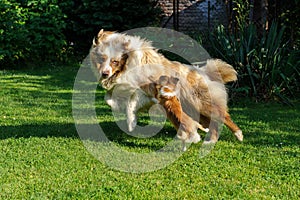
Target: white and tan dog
x=125 y=62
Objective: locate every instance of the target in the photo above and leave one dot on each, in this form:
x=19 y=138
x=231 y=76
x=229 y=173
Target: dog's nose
x=105 y=74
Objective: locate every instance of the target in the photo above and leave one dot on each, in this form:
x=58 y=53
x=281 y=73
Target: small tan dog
x=186 y=127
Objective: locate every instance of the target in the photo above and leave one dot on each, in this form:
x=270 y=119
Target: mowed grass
x=42 y=156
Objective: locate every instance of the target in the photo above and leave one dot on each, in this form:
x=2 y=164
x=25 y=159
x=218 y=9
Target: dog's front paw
x=193 y=138
x=131 y=124
x=183 y=147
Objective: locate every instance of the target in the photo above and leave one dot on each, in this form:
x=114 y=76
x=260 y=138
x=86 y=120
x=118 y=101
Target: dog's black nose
x=105 y=74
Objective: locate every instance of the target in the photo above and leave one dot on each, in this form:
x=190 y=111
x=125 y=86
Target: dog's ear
x=98 y=38
x=124 y=58
x=100 y=32
x=123 y=61
x=174 y=80
x=101 y=36
x=95 y=42
x=163 y=80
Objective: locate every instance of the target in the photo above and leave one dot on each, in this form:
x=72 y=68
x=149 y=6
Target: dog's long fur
x=202 y=91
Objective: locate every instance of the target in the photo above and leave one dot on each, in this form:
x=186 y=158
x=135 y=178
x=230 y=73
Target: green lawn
x=42 y=156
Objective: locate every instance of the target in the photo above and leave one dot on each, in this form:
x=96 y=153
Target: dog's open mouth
x=106 y=84
x=109 y=83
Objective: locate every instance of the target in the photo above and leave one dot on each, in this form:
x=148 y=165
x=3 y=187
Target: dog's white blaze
x=108 y=68
x=167 y=94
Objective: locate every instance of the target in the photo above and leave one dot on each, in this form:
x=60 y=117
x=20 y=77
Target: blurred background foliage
x=33 y=32
x=261 y=39
x=262 y=43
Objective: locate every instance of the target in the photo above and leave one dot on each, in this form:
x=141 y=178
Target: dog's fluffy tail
x=220 y=71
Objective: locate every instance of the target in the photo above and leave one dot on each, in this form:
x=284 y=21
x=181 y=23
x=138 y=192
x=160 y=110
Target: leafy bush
x=13 y=32
x=45 y=26
x=266 y=66
x=31 y=32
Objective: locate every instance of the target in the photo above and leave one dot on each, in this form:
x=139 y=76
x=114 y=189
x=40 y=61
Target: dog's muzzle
x=107 y=83
x=105 y=74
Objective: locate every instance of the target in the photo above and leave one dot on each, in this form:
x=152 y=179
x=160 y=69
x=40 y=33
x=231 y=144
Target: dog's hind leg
x=213 y=135
x=233 y=127
x=213 y=127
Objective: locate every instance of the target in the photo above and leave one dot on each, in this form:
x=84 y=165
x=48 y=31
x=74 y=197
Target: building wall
x=193 y=14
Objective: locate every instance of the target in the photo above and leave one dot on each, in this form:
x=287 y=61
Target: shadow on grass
x=110 y=129
x=113 y=133
x=41 y=130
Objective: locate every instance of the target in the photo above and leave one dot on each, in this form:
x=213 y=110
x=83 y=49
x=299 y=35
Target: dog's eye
x=115 y=62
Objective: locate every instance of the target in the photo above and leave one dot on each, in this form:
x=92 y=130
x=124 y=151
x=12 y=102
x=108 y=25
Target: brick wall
x=193 y=14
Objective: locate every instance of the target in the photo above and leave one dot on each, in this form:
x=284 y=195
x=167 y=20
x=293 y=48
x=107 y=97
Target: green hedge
x=30 y=32
x=43 y=31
